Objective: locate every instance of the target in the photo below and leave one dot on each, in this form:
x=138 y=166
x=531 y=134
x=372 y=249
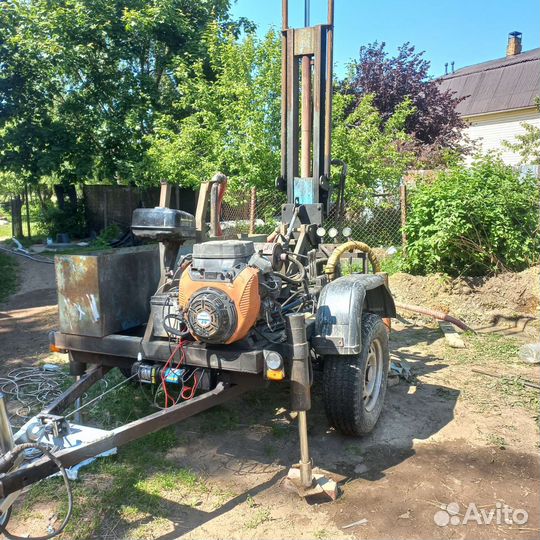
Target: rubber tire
x=343 y=382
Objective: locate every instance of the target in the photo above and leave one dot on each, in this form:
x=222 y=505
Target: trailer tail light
x=274 y=369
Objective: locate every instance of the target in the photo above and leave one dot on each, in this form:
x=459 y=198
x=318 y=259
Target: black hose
x=171 y=330
x=10 y=457
x=28 y=256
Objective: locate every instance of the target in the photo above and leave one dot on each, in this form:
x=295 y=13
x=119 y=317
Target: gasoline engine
x=226 y=288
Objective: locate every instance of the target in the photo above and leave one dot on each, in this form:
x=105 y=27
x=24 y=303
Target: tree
x=527 y=144
x=372 y=147
x=231 y=115
x=435 y=124
x=82 y=81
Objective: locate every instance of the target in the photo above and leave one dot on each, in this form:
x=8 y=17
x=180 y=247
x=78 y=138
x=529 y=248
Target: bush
x=107 y=235
x=52 y=220
x=474 y=221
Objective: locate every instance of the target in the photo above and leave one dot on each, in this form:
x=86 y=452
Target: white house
x=499 y=96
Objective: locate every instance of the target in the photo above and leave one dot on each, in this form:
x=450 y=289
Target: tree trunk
x=16 y=217
x=27 y=203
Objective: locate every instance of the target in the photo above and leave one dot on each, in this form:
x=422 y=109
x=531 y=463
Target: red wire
x=164 y=370
x=191 y=389
x=185 y=389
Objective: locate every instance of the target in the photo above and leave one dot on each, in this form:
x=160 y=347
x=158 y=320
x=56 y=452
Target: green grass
x=262 y=515
x=497 y=354
x=37 y=237
x=132 y=486
x=5 y=231
x=9 y=278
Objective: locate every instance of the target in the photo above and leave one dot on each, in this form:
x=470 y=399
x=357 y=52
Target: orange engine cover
x=243 y=292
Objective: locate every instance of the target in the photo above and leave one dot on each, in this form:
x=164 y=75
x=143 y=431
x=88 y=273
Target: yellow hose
x=333 y=260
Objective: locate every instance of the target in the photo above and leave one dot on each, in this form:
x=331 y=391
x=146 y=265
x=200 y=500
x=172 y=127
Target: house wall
x=490 y=130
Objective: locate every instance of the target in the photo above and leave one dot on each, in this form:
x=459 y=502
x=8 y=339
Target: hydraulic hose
x=436 y=315
x=333 y=260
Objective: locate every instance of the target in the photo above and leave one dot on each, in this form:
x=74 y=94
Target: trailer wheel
x=354 y=386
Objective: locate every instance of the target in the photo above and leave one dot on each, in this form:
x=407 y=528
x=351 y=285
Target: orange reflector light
x=275 y=374
x=54 y=348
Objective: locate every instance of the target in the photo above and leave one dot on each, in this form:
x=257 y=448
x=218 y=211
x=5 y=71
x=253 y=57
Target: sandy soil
x=436 y=443
x=507 y=303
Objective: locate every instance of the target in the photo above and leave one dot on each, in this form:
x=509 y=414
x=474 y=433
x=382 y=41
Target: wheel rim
x=373 y=376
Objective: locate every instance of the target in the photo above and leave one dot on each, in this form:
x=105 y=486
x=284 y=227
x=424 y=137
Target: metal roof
x=498 y=85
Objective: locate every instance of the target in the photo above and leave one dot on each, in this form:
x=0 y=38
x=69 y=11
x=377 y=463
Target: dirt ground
x=449 y=436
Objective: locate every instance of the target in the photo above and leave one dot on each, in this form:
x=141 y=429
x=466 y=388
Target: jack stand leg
x=302 y=478
x=306 y=474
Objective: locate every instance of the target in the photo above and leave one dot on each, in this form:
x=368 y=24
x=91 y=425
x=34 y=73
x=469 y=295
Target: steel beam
x=16 y=480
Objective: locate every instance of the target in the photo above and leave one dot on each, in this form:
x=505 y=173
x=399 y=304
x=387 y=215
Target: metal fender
x=338 y=325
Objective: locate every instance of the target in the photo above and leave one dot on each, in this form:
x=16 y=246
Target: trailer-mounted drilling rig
x=220 y=317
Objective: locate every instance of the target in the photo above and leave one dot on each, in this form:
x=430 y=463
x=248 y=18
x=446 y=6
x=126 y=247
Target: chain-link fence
x=374 y=218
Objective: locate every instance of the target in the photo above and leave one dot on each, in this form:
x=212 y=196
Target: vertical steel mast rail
x=306 y=88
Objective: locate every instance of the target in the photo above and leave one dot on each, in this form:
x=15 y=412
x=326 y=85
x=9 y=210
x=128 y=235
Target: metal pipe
x=307 y=133
x=306 y=473
x=78 y=405
x=285 y=14
x=436 y=315
x=285 y=10
x=6 y=435
x=331 y=12
x=328 y=91
x=306 y=12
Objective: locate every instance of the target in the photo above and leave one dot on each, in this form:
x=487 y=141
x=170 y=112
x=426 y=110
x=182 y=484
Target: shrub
x=52 y=220
x=107 y=235
x=474 y=221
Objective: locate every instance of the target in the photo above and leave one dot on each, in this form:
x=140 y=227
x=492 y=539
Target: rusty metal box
x=106 y=292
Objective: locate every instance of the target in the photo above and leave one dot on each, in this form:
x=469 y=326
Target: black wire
x=11 y=455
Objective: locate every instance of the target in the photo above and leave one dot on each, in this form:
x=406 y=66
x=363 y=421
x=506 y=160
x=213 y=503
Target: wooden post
x=403 y=204
x=252 y=210
x=200 y=214
x=105 y=208
x=165 y=195
x=27 y=210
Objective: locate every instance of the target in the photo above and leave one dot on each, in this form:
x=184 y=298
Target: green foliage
x=10 y=184
x=82 y=81
x=107 y=235
x=52 y=220
x=231 y=117
x=527 y=144
x=474 y=221
x=371 y=147
x=393 y=263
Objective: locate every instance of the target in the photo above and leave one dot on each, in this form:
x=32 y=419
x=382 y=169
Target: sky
x=464 y=31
